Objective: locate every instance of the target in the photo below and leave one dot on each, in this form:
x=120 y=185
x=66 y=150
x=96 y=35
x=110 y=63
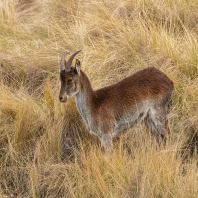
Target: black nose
x=60 y=98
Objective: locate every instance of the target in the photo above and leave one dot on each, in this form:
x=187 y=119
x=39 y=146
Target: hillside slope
x=45 y=149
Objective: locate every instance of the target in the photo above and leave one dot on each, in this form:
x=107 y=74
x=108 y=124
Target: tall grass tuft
x=45 y=149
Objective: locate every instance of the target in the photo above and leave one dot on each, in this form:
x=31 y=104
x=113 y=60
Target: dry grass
x=45 y=149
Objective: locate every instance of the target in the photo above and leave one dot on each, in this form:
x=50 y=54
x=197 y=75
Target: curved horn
x=69 y=62
x=62 y=61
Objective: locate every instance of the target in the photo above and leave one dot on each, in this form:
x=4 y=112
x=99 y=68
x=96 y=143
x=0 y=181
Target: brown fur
x=147 y=83
x=112 y=109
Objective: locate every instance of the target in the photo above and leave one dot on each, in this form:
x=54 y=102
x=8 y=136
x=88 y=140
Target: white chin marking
x=68 y=97
x=73 y=94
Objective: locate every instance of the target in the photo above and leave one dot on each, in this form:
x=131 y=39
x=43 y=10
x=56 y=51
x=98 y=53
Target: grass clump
x=45 y=149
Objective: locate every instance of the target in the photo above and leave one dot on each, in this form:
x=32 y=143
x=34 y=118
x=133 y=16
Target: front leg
x=106 y=143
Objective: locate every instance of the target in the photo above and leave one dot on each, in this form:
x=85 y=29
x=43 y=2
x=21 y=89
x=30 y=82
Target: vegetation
x=45 y=149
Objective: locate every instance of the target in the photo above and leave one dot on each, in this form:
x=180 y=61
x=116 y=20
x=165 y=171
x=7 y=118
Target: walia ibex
x=145 y=95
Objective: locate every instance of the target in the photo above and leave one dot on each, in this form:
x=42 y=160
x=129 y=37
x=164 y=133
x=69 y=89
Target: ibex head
x=69 y=77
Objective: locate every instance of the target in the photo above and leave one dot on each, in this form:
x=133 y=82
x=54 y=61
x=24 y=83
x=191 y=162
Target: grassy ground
x=45 y=149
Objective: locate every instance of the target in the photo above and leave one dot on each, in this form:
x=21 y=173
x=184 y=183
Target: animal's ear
x=78 y=65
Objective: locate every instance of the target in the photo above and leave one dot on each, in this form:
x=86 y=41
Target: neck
x=84 y=100
x=85 y=95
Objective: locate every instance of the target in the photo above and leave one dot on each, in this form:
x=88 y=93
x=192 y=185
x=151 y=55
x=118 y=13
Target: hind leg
x=156 y=122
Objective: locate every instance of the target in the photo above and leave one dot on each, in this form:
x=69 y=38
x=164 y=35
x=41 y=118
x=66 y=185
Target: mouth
x=63 y=101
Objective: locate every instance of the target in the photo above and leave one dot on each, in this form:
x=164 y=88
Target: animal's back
x=142 y=85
